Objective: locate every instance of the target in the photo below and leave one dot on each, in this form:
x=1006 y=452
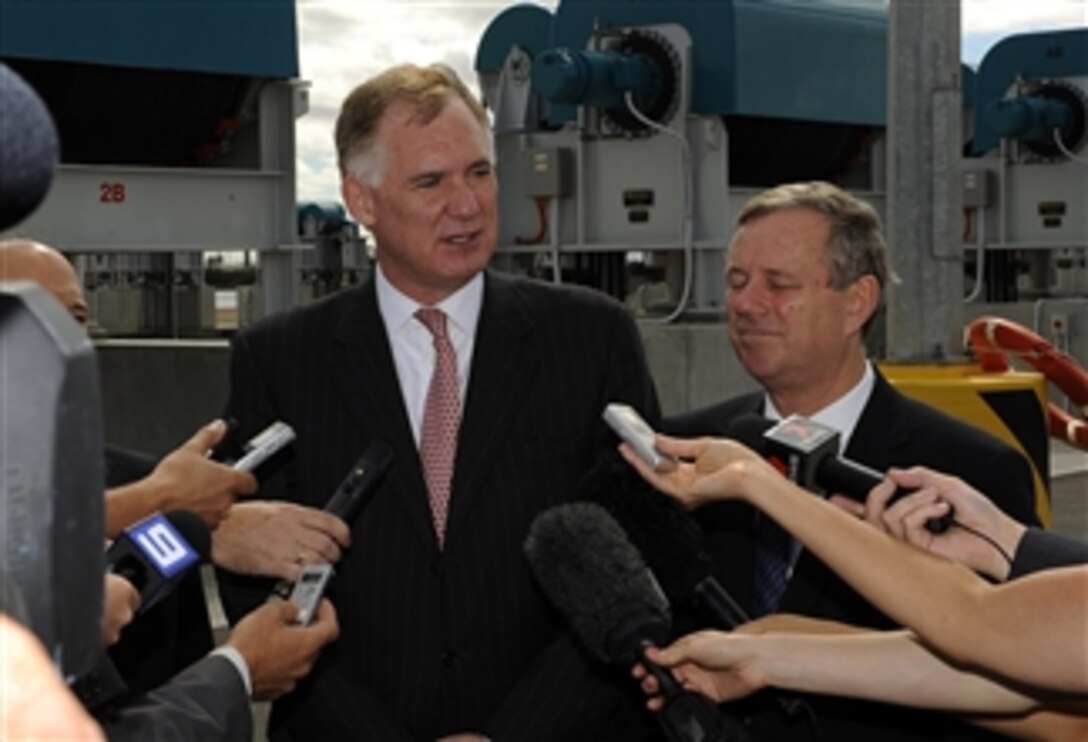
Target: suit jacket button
x=450 y=658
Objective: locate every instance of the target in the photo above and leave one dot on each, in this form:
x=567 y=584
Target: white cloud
x=344 y=42
x=1008 y=16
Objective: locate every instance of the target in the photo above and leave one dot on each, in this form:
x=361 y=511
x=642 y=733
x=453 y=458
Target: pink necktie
x=441 y=419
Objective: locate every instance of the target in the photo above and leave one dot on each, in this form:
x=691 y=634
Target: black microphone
x=361 y=482
x=157 y=552
x=28 y=149
x=354 y=493
x=672 y=543
x=668 y=537
x=599 y=582
x=808 y=453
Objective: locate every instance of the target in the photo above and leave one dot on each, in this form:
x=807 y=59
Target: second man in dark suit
x=805 y=276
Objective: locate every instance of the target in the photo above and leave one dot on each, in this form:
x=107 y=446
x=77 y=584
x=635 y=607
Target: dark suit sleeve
x=1040 y=550
x=207 y=701
x=124 y=466
x=1006 y=479
x=561 y=696
x=248 y=404
x=175 y=633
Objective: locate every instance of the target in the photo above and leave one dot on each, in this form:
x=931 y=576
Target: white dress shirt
x=412 y=343
x=842 y=415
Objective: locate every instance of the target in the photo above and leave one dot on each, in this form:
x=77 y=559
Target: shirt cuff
x=235 y=657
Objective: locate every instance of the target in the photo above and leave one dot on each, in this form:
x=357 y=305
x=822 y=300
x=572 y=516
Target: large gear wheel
x=660 y=102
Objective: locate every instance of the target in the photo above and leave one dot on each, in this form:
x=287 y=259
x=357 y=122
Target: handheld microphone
x=157 y=552
x=672 y=543
x=361 y=482
x=598 y=581
x=808 y=453
x=354 y=493
x=28 y=149
x=670 y=540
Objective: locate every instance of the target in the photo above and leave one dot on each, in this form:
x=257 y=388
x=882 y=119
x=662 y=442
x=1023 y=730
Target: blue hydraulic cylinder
x=1030 y=119
x=594 y=78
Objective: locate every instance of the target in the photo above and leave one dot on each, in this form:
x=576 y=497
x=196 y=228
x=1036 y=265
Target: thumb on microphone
x=720 y=666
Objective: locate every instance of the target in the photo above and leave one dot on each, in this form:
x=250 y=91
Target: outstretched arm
x=983 y=537
x=888 y=667
x=185 y=479
x=951 y=608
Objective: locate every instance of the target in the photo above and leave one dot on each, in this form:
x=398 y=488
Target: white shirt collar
x=462 y=307
x=842 y=414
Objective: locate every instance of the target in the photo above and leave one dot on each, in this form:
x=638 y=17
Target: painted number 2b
x=111 y=193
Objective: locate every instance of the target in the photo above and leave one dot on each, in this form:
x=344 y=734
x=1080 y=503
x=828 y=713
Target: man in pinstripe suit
x=444 y=633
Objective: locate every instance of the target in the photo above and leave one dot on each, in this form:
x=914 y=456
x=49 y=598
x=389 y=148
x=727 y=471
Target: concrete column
x=924 y=203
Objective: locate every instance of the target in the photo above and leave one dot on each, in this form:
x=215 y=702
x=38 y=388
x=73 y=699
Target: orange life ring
x=991 y=338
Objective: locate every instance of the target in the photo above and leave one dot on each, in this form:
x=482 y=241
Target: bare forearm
x=129 y=503
x=889 y=667
x=946 y=604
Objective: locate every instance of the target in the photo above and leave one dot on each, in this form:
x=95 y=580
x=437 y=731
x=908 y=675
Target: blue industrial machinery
x=1029 y=84
x=155 y=82
x=629 y=133
x=829 y=87
x=176 y=120
x=1026 y=181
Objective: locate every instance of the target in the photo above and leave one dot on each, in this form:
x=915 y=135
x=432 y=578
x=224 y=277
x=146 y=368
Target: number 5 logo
x=165 y=547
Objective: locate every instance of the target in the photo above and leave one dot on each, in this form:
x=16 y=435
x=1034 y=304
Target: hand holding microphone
x=710 y=469
x=808 y=453
x=272 y=538
x=120 y=603
x=346 y=503
x=672 y=543
x=185 y=479
x=595 y=577
x=276 y=539
x=985 y=537
x=277 y=649
x=155 y=554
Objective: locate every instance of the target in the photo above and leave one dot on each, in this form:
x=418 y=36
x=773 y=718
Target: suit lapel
x=878 y=434
x=504 y=359
x=366 y=379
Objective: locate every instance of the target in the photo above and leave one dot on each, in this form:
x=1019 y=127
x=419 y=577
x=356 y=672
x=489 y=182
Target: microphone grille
x=28 y=149
x=596 y=578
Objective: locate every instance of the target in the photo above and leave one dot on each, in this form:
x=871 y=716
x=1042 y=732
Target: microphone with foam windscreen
x=808 y=453
x=156 y=553
x=599 y=582
x=28 y=149
x=668 y=537
x=672 y=543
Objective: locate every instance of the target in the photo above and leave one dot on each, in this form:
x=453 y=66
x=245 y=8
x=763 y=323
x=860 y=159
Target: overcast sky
x=342 y=42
